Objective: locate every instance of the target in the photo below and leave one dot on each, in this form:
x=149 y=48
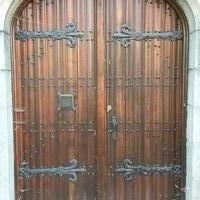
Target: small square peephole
x=66 y=102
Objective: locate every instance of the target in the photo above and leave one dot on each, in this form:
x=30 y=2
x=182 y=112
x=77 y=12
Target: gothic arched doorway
x=99 y=97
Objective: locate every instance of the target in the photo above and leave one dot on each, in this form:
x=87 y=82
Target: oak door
x=99 y=96
x=145 y=95
x=55 y=100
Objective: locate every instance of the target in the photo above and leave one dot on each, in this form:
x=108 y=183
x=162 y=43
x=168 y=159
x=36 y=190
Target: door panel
x=47 y=134
x=145 y=90
x=99 y=95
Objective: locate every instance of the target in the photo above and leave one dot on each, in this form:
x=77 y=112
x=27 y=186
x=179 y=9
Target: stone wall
x=191 y=9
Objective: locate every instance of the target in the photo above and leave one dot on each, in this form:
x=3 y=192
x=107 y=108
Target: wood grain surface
x=144 y=85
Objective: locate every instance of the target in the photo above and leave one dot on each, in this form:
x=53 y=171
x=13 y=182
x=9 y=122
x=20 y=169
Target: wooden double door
x=99 y=100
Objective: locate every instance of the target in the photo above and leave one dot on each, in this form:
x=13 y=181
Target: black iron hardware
x=70 y=171
x=66 y=101
x=112 y=131
x=71 y=34
x=125 y=35
x=129 y=170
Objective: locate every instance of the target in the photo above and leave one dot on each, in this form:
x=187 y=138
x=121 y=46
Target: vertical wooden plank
x=42 y=103
x=32 y=98
x=148 y=95
x=59 y=56
x=110 y=93
x=168 y=100
x=160 y=94
x=170 y=152
x=64 y=122
x=130 y=95
x=18 y=127
x=91 y=96
x=101 y=126
x=119 y=107
x=70 y=116
x=37 y=66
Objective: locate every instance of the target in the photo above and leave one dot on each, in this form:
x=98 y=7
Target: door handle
x=112 y=131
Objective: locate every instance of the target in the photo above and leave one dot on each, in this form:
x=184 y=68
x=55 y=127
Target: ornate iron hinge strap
x=71 y=171
x=125 y=35
x=129 y=170
x=71 y=34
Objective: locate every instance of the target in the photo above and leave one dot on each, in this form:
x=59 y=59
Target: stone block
x=196 y=160
x=5 y=61
x=195 y=189
x=191 y=83
x=192 y=50
x=197 y=88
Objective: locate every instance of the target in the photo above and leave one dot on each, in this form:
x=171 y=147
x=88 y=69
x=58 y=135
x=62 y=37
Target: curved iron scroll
x=125 y=35
x=71 y=171
x=71 y=34
x=128 y=170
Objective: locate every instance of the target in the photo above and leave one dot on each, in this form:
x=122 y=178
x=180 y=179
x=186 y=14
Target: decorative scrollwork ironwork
x=129 y=170
x=125 y=35
x=71 y=34
x=71 y=171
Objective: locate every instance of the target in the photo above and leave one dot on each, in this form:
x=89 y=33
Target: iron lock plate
x=66 y=101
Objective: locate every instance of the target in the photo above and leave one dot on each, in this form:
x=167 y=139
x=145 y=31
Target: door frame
x=8 y=9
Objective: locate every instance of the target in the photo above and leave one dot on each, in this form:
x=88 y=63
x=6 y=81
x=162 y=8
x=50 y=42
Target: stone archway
x=190 y=8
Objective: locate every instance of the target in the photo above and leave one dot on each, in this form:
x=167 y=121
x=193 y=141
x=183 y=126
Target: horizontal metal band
x=71 y=171
x=71 y=34
x=128 y=170
x=125 y=35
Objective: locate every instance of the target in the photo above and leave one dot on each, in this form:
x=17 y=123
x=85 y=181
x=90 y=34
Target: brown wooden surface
x=144 y=87
x=144 y=84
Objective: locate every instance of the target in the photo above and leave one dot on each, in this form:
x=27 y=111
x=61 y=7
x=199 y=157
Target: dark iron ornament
x=71 y=34
x=71 y=171
x=66 y=101
x=113 y=127
x=125 y=35
x=129 y=170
